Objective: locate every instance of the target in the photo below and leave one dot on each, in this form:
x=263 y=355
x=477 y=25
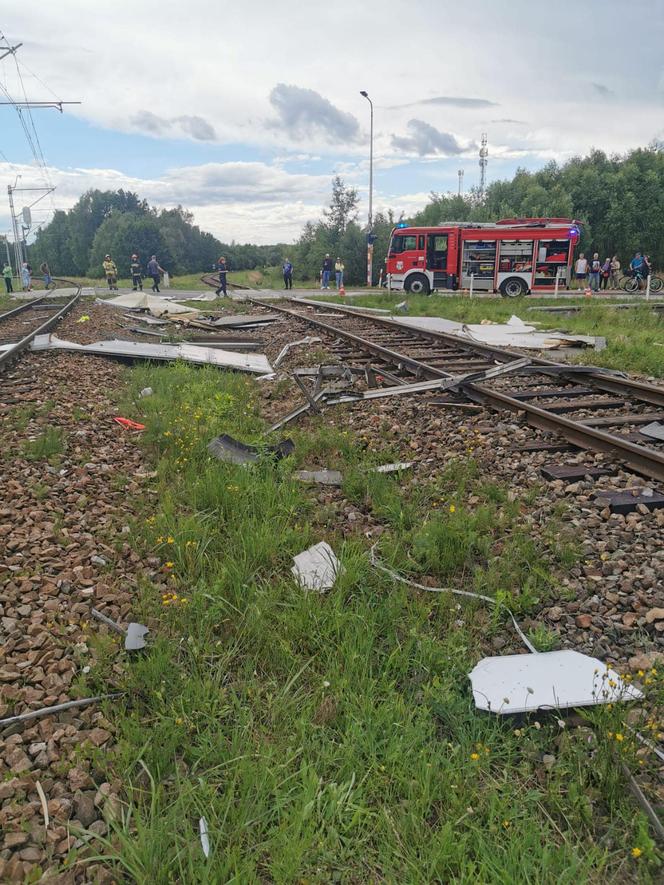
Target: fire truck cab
x=514 y=256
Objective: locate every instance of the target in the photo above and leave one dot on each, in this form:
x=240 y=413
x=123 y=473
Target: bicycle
x=632 y=280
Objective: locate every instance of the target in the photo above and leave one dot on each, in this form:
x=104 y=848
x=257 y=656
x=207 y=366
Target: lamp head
x=364 y=93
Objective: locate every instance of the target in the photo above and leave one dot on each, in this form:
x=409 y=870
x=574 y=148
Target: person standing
x=326 y=272
x=615 y=272
x=287 y=269
x=637 y=266
x=581 y=271
x=222 y=270
x=26 y=277
x=45 y=270
x=339 y=273
x=136 y=275
x=595 y=268
x=7 y=274
x=605 y=273
x=111 y=272
x=155 y=271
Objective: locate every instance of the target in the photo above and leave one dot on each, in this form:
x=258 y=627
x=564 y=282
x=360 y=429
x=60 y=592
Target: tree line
x=120 y=223
x=619 y=201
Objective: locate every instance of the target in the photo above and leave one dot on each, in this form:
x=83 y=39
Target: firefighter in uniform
x=111 y=272
x=136 y=275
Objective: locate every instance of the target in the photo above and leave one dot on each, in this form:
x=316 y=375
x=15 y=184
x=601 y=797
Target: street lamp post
x=370 y=233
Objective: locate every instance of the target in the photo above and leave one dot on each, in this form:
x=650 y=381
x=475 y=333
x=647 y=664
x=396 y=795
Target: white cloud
x=251 y=202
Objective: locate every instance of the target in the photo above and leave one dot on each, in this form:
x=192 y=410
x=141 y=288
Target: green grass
x=632 y=335
x=260 y=278
x=52 y=442
x=333 y=738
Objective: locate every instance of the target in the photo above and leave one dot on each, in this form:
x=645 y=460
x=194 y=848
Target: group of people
x=606 y=274
x=326 y=272
x=154 y=270
x=26 y=276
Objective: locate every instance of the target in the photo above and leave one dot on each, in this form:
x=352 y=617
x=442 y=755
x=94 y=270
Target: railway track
x=589 y=408
x=20 y=325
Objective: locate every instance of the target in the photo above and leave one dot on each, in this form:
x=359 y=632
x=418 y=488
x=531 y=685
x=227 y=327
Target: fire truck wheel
x=514 y=287
x=418 y=284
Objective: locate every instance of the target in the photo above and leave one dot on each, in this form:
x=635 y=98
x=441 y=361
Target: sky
x=243 y=112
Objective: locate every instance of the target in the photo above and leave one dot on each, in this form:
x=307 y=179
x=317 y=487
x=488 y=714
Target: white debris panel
x=256 y=363
x=513 y=333
x=317 y=568
x=548 y=680
x=143 y=301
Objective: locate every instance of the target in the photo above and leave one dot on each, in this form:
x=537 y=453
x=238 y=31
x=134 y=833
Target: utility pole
x=460 y=173
x=19 y=240
x=370 y=236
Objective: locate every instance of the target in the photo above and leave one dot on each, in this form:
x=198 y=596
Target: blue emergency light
x=402 y=224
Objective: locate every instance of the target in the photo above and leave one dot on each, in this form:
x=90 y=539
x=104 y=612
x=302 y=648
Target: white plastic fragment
x=317 y=568
x=205 y=841
x=392 y=468
x=310 y=339
x=147 y=391
x=548 y=680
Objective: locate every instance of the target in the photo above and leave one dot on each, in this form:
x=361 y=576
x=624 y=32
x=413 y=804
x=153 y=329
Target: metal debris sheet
x=554 y=680
x=138 y=350
x=225 y=448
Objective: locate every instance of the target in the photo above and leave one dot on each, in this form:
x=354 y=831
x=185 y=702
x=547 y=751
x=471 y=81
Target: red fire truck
x=513 y=256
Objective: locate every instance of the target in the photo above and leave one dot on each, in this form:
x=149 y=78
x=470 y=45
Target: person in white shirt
x=581 y=271
x=339 y=272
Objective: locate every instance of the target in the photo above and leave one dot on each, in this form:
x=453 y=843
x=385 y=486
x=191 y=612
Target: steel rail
x=641 y=459
x=648 y=393
x=20 y=308
x=15 y=350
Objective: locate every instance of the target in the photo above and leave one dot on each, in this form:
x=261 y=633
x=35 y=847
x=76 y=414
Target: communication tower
x=484 y=155
x=460 y=173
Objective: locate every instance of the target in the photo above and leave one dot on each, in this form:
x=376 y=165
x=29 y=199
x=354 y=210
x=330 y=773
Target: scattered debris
x=134 y=634
x=147 y=391
x=655 y=430
x=317 y=568
x=139 y=350
x=356 y=308
x=547 y=680
x=242 y=320
x=392 y=468
x=225 y=448
x=514 y=333
x=58 y=708
x=156 y=306
x=638 y=794
x=377 y=564
x=128 y=424
x=324 y=477
x=44 y=803
x=402 y=307
x=205 y=841
x=310 y=339
x=83 y=319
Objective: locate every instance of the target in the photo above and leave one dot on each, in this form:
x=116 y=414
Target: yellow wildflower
x=620 y=737
x=636 y=852
x=452 y=508
x=168 y=564
x=170 y=540
x=474 y=756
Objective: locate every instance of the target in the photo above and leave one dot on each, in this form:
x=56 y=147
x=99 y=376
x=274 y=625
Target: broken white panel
x=205 y=839
x=354 y=307
x=392 y=468
x=257 y=363
x=514 y=333
x=550 y=680
x=143 y=301
x=317 y=568
x=310 y=339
